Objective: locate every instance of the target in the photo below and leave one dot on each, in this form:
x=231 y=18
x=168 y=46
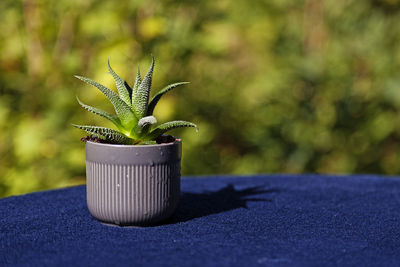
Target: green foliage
x=278 y=86
x=134 y=127
x=142 y=94
x=158 y=96
x=112 y=136
x=123 y=88
x=125 y=114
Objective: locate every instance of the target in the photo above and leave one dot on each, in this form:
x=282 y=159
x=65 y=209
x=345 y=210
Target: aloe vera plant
x=134 y=112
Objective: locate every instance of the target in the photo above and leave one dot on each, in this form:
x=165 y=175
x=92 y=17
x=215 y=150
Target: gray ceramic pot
x=133 y=185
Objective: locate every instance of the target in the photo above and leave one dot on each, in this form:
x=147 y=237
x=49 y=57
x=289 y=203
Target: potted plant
x=133 y=173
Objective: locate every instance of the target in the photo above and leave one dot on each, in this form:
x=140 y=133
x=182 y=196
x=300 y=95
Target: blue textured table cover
x=221 y=221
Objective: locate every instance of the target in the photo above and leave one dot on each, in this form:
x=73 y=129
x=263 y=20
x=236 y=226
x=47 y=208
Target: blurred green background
x=277 y=86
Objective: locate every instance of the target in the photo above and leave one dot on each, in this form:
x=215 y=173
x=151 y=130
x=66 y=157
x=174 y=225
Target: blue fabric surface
x=221 y=221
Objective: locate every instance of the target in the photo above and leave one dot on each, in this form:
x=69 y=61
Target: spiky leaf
x=122 y=109
x=138 y=81
x=165 y=127
x=157 y=97
x=141 y=99
x=123 y=88
x=101 y=113
x=109 y=134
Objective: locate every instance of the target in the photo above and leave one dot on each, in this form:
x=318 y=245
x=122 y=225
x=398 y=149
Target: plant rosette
x=133 y=173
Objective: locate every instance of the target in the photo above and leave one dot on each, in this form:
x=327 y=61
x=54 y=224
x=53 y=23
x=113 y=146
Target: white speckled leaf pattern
x=110 y=134
x=123 y=88
x=138 y=81
x=100 y=112
x=122 y=109
x=141 y=99
x=132 y=194
x=165 y=127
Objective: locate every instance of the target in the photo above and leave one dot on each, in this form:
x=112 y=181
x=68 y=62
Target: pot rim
x=177 y=141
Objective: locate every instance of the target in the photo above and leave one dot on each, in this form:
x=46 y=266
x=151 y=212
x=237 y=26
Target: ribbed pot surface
x=133 y=185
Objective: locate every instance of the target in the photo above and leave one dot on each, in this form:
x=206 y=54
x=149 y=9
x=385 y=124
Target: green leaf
x=157 y=97
x=138 y=81
x=122 y=109
x=109 y=134
x=141 y=98
x=165 y=127
x=101 y=113
x=123 y=88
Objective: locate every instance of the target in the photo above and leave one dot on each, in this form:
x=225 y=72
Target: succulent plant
x=134 y=120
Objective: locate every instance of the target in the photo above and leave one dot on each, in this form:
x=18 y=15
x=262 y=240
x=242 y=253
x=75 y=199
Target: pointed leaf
x=138 y=81
x=141 y=98
x=102 y=113
x=122 y=109
x=165 y=127
x=123 y=88
x=157 y=97
x=110 y=134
